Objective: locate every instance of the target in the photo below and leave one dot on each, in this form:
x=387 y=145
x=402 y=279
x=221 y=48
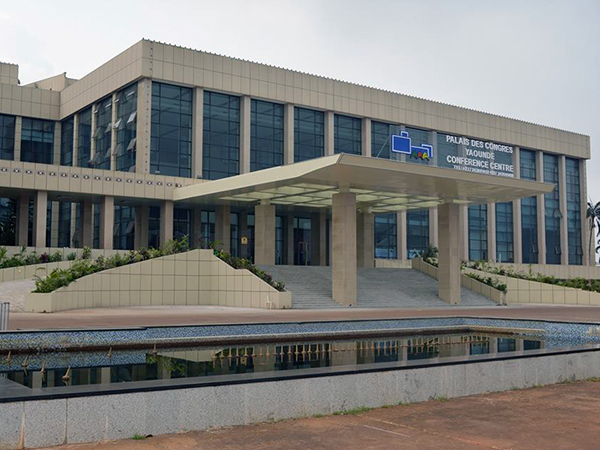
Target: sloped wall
x=196 y=277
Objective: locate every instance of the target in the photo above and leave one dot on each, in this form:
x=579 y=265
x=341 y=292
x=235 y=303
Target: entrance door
x=302 y=239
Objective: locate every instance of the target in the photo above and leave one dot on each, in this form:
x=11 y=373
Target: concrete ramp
x=377 y=288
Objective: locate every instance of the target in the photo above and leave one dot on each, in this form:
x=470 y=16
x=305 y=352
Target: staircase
x=377 y=288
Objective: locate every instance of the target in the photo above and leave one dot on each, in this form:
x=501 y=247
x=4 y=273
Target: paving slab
x=563 y=416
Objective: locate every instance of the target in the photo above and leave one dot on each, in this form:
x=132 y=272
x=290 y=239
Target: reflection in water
x=188 y=362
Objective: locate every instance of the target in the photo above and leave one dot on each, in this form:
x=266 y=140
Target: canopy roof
x=381 y=184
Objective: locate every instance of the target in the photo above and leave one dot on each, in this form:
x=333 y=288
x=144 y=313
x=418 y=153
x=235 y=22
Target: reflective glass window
x=7 y=137
x=66 y=142
x=446 y=149
x=386 y=232
x=478 y=249
x=574 y=211
x=552 y=211
x=279 y=240
x=529 y=227
x=102 y=134
x=84 y=137
x=8 y=221
x=182 y=223
x=221 y=136
x=347 y=134
x=417 y=138
x=309 y=134
x=37 y=141
x=64 y=224
x=171 y=141
x=266 y=140
x=417 y=232
x=153 y=227
x=380 y=140
x=504 y=232
x=207 y=228
x=124 y=227
x=126 y=126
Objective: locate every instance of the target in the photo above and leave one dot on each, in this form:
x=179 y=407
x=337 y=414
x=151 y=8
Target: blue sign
x=403 y=144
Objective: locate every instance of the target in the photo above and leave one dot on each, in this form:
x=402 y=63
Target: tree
x=593 y=215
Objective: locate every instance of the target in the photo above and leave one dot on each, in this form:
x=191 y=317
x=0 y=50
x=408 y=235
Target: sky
x=534 y=60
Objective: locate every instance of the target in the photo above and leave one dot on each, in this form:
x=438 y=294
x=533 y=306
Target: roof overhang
x=380 y=184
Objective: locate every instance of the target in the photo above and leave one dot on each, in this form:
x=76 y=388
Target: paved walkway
x=193 y=315
x=563 y=416
x=14 y=293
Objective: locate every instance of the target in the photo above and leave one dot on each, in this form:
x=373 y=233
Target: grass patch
x=352 y=412
x=594 y=379
x=138 y=437
x=440 y=398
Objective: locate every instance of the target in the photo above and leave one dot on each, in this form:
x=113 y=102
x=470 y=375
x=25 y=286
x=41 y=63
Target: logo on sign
x=403 y=144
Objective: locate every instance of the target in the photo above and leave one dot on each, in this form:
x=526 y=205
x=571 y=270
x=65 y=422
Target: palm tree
x=593 y=215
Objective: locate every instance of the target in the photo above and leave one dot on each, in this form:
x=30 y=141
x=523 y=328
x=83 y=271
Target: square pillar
x=222 y=227
x=365 y=136
x=17 y=143
x=87 y=224
x=197 y=131
x=449 y=257
x=288 y=134
x=23 y=220
x=245 y=133
x=322 y=237
x=329 y=133
x=166 y=221
x=144 y=126
x=365 y=236
x=40 y=206
x=433 y=227
x=289 y=230
x=264 y=234
x=343 y=255
x=463 y=236
x=141 y=226
x=107 y=222
x=401 y=239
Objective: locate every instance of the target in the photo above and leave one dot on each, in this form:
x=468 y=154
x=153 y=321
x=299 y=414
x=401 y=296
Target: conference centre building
x=281 y=167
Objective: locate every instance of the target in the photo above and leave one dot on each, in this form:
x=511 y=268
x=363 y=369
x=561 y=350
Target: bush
x=87 y=253
x=242 y=263
x=72 y=256
x=489 y=281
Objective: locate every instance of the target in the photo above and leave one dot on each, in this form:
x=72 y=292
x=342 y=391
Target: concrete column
x=329 y=133
x=434 y=145
x=57 y=136
x=54 y=219
x=196 y=237
x=401 y=240
x=344 y=248
x=564 y=228
x=144 y=126
x=87 y=224
x=463 y=234
x=197 y=130
x=365 y=135
x=107 y=222
x=541 y=209
x=40 y=206
x=365 y=235
x=223 y=225
x=491 y=231
x=289 y=230
x=516 y=210
x=433 y=226
x=23 y=220
x=113 y=133
x=75 y=139
x=315 y=236
x=322 y=237
x=141 y=226
x=449 y=253
x=589 y=254
x=245 y=133
x=18 y=133
x=288 y=134
x=166 y=221
x=264 y=234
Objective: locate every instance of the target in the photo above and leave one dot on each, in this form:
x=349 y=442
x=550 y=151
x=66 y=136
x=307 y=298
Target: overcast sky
x=535 y=60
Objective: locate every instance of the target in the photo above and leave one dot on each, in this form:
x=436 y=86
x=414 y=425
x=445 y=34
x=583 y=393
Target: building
x=165 y=141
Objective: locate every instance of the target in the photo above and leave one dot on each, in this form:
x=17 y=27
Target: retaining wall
x=196 y=277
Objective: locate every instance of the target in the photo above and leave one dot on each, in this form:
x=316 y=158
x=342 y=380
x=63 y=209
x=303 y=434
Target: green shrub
x=493 y=282
x=87 y=253
x=242 y=263
x=72 y=256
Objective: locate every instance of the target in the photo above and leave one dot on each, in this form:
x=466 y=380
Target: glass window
x=96 y=209
x=309 y=134
x=417 y=232
x=266 y=141
x=418 y=138
x=386 y=232
x=7 y=137
x=552 y=210
x=380 y=140
x=102 y=135
x=279 y=240
x=574 y=211
x=64 y=224
x=181 y=223
x=478 y=232
x=66 y=142
x=171 y=141
x=504 y=232
x=221 y=136
x=37 y=141
x=154 y=227
x=529 y=228
x=126 y=126
x=8 y=221
x=124 y=227
x=445 y=149
x=234 y=234
x=84 y=137
x=207 y=228
x=347 y=134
